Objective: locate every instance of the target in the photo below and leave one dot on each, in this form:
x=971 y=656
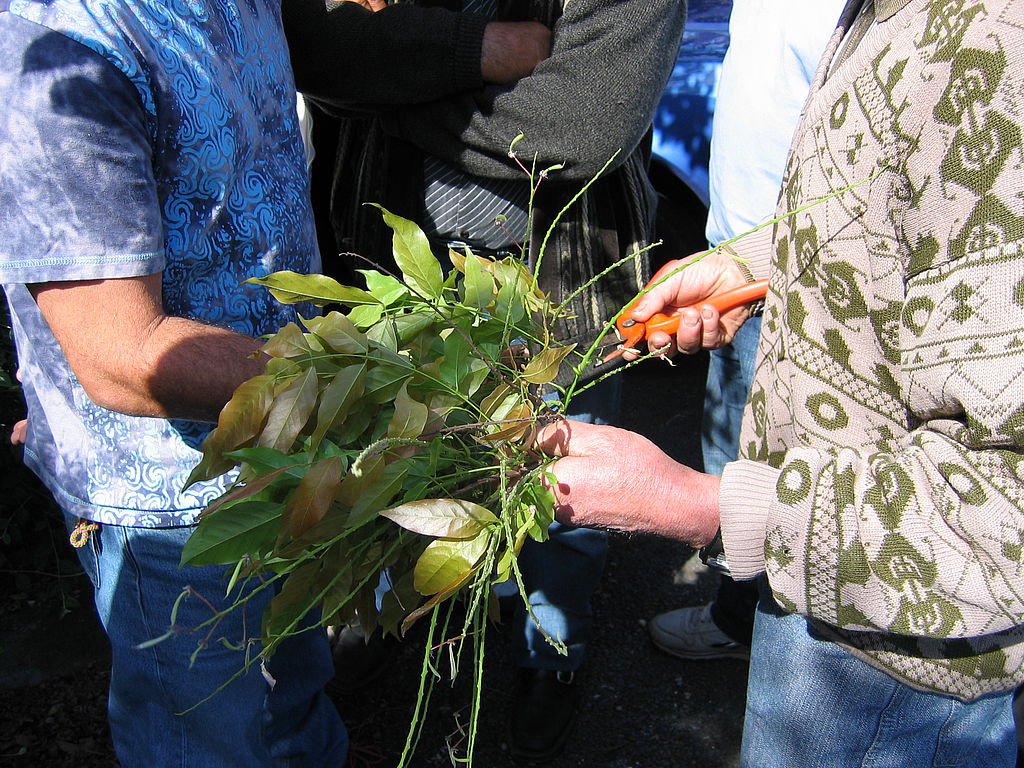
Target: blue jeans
x=730 y=373
x=561 y=574
x=275 y=717
x=812 y=704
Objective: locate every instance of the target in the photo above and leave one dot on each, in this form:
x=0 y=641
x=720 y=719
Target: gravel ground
x=639 y=708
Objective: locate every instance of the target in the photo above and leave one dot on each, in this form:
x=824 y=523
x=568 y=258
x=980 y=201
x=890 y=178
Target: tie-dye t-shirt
x=138 y=137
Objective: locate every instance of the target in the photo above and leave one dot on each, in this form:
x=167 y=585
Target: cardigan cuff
x=755 y=251
x=469 y=34
x=745 y=494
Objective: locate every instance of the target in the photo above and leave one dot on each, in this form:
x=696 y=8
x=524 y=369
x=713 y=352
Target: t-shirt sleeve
x=78 y=200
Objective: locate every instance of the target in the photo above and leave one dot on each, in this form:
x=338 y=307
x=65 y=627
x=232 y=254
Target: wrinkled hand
x=612 y=478
x=512 y=49
x=700 y=326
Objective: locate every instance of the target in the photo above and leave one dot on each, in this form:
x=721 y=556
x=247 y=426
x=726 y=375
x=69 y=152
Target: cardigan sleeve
x=594 y=96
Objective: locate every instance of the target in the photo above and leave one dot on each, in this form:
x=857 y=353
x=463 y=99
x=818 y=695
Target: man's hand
x=370 y=5
x=132 y=358
x=512 y=49
x=700 y=326
x=613 y=478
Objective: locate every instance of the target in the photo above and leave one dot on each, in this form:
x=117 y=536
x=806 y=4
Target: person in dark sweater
x=416 y=108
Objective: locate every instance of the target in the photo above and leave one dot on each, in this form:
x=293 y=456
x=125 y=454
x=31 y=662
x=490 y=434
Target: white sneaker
x=691 y=633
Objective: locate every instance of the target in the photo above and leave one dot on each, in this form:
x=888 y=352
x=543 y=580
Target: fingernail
x=707 y=313
x=690 y=318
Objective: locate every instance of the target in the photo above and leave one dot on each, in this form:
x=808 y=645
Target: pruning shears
x=632 y=332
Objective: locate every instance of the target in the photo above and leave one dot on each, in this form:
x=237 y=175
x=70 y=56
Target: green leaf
x=448 y=561
x=457 y=356
x=355 y=424
x=442 y=518
x=316 y=491
x=291 y=288
x=499 y=402
x=339 y=333
x=411 y=325
x=544 y=367
x=477 y=285
x=244 y=529
x=366 y=316
x=262 y=460
x=509 y=305
x=409 y=418
x=290 y=412
x=336 y=400
x=421 y=269
x=379 y=493
x=385 y=333
x=294 y=600
x=384 y=381
x=253 y=487
x=239 y=422
x=385 y=289
x=476 y=374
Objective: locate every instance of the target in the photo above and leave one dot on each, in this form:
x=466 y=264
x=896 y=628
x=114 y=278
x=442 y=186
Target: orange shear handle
x=632 y=332
x=723 y=302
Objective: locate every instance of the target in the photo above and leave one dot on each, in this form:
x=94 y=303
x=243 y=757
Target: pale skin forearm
x=130 y=357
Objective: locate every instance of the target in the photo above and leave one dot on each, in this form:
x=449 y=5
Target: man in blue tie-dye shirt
x=150 y=162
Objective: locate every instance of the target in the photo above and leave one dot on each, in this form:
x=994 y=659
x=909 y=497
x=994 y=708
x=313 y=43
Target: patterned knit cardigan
x=881 y=484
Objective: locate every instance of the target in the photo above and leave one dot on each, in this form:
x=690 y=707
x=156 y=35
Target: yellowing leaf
x=496 y=401
x=448 y=561
x=442 y=518
x=410 y=416
x=291 y=288
x=519 y=420
x=544 y=367
x=289 y=341
x=290 y=412
x=240 y=420
x=316 y=491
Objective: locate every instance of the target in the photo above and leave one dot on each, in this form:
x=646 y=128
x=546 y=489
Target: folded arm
x=594 y=96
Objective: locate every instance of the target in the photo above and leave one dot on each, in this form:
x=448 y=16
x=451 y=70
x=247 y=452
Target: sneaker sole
x=717 y=653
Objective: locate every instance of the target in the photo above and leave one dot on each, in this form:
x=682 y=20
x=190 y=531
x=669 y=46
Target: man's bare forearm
x=132 y=358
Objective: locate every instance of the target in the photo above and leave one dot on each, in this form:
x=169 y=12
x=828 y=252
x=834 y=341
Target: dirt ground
x=640 y=708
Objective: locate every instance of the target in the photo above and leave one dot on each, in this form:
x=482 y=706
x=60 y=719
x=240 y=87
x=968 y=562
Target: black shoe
x=544 y=711
x=359 y=660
